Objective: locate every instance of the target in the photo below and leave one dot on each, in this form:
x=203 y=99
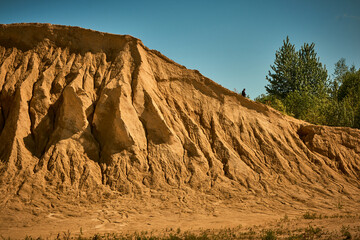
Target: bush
x=308 y=215
x=269 y=235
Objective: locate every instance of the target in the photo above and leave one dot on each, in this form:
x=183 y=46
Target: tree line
x=299 y=85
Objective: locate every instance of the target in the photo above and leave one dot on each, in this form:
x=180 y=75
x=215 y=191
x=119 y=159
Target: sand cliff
x=85 y=114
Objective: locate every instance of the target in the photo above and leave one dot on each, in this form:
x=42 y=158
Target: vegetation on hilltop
x=299 y=85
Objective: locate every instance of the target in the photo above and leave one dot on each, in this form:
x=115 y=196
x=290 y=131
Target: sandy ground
x=158 y=218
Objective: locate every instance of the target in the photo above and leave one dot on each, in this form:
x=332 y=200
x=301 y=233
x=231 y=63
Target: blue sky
x=231 y=42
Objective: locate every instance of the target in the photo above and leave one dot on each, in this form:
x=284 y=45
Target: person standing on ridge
x=243 y=93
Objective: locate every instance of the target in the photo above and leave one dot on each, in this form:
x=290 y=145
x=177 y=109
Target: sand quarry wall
x=84 y=112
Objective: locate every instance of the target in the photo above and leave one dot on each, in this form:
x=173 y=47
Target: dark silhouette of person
x=243 y=93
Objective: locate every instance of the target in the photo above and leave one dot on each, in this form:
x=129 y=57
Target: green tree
x=349 y=94
x=312 y=77
x=299 y=81
x=282 y=79
x=343 y=108
x=340 y=70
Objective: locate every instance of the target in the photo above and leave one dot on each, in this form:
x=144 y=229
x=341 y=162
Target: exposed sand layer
x=99 y=126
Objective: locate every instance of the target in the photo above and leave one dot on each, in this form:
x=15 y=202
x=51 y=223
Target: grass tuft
x=308 y=215
x=269 y=235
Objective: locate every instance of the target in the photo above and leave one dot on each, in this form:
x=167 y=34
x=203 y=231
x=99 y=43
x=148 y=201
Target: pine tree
x=294 y=70
x=312 y=76
x=282 y=81
x=300 y=81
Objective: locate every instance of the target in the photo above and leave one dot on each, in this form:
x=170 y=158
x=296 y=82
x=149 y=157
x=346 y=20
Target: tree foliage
x=299 y=86
x=347 y=98
x=298 y=80
x=282 y=80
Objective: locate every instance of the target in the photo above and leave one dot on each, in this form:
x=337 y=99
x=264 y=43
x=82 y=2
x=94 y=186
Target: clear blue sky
x=232 y=42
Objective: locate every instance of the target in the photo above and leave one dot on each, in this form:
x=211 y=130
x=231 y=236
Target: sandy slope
x=93 y=122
